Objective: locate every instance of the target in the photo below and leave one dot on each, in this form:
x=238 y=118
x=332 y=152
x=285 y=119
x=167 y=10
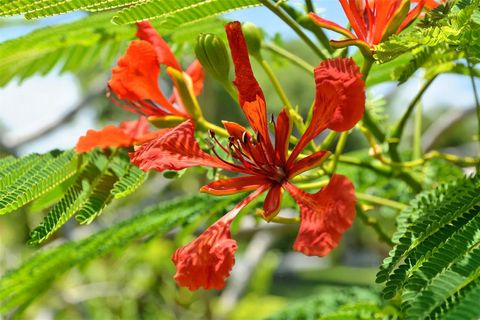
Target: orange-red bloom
x=127 y=134
x=135 y=79
x=373 y=21
x=265 y=165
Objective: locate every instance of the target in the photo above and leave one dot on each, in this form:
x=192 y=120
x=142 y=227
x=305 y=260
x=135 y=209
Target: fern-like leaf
x=18 y=288
x=179 y=12
x=101 y=179
x=34 y=176
x=435 y=264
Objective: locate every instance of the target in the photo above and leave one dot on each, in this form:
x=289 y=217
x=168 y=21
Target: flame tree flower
x=127 y=134
x=265 y=166
x=373 y=21
x=135 y=79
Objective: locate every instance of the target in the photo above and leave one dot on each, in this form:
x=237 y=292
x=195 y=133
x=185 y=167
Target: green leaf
x=30 y=177
x=435 y=263
x=100 y=179
x=19 y=287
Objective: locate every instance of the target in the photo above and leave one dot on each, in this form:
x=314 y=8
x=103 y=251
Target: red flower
x=135 y=79
x=264 y=165
x=373 y=21
x=125 y=135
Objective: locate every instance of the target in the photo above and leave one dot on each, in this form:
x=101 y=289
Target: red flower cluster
x=264 y=165
x=135 y=82
x=373 y=21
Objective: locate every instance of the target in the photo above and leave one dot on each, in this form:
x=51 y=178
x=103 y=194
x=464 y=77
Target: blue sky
x=27 y=107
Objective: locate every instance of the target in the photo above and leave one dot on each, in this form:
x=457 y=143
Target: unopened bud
x=213 y=55
x=254 y=37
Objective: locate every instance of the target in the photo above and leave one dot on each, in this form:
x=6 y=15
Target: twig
x=59 y=122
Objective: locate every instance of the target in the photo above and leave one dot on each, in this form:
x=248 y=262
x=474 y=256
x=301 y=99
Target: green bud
x=213 y=55
x=253 y=37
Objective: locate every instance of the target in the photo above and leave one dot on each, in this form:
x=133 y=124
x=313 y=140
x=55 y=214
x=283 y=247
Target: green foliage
x=174 y=13
x=80 y=45
x=18 y=288
x=447 y=35
x=435 y=264
x=339 y=303
x=171 y=12
x=100 y=179
x=90 y=43
x=25 y=179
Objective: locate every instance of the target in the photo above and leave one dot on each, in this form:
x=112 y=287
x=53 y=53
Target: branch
x=442 y=124
x=67 y=117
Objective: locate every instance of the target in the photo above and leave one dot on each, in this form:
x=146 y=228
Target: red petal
x=273 y=202
x=234 y=185
x=327 y=24
x=247 y=85
x=135 y=78
x=283 y=130
x=196 y=73
x=307 y=163
x=339 y=101
x=345 y=75
x=207 y=261
x=145 y=31
x=256 y=113
x=325 y=215
x=109 y=136
x=126 y=134
x=175 y=150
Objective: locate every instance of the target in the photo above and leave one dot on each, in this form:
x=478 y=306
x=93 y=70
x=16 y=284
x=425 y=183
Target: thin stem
x=367 y=120
x=397 y=131
x=297 y=118
x=296 y=60
x=475 y=93
x=342 y=141
x=309 y=5
x=417 y=136
x=327 y=142
x=380 y=201
x=205 y=125
x=372 y=222
x=293 y=24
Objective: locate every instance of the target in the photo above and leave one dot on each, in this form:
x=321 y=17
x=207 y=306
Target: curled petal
x=234 y=185
x=135 y=78
x=327 y=24
x=146 y=32
x=345 y=76
x=207 y=261
x=177 y=149
x=283 y=130
x=109 y=136
x=273 y=202
x=339 y=100
x=247 y=85
x=307 y=163
x=325 y=215
x=126 y=134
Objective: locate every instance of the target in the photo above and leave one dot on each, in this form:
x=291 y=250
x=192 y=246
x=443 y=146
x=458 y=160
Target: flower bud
x=213 y=55
x=253 y=37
